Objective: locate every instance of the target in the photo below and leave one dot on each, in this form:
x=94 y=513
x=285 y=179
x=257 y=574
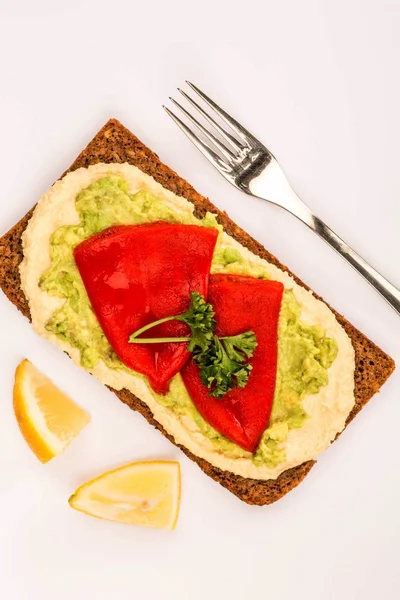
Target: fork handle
x=382 y=285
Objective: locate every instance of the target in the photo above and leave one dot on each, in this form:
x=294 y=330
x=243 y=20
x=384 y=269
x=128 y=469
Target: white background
x=318 y=82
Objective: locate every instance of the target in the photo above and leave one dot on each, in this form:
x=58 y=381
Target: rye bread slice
x=115 y=143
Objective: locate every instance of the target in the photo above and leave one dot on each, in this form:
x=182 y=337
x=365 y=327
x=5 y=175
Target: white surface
x=322 y=85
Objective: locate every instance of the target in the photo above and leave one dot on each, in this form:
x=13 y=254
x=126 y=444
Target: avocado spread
x=304 y=352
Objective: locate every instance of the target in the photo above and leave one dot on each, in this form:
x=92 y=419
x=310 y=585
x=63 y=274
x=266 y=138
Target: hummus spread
x=323 y=410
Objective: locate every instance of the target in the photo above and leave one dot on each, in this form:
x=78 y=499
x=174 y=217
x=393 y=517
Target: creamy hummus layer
x=328 y=409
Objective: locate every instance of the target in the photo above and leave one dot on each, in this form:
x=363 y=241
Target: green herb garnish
x=222 y=361
x=200 y=318
x=223 y=365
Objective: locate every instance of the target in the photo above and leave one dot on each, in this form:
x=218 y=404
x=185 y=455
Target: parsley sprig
x=223 y=361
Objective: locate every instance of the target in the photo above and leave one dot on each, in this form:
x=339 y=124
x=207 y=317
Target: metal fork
x=248 y=165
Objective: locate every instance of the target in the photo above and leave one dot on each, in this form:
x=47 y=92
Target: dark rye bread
x=114 y=143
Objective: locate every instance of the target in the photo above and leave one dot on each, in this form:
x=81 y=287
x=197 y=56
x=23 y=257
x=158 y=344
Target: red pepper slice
x=136 y=274
x=242 y=303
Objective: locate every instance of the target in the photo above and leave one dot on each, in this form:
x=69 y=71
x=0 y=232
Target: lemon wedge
x=48 y=419
x=141 y=493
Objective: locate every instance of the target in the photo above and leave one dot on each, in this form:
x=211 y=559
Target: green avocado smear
x=304 y=352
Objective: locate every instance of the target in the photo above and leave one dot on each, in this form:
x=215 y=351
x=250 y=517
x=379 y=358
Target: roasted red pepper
x=242 y=303
x=136 y=274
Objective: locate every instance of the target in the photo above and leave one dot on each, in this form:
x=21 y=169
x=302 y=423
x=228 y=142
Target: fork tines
x=223 y=154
